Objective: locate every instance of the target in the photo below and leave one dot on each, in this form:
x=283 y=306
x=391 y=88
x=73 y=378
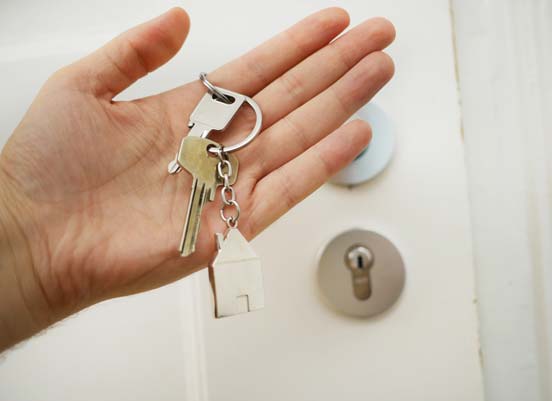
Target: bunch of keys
x=235 y=273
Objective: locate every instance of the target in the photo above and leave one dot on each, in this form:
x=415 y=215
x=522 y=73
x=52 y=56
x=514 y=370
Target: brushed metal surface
x=385 y=278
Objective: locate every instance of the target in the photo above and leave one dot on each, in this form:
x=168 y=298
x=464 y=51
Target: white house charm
x=236 y=276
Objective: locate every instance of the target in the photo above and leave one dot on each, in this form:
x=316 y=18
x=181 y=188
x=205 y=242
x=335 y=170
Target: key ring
x=213 y=89
x=225 y=93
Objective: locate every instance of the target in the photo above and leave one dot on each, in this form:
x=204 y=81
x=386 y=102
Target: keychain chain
x=235 y=271
x=228 y=195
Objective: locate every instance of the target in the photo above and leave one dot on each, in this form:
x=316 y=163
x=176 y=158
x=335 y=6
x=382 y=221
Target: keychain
x=235 y=273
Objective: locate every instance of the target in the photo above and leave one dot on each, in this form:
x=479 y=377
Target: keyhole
x=359 y=259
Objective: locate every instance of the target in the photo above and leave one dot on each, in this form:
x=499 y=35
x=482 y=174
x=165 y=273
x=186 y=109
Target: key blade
x=199 y=130
x=193 y=217
x=194 y=158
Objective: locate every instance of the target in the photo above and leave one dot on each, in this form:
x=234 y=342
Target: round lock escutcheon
x=361 y=273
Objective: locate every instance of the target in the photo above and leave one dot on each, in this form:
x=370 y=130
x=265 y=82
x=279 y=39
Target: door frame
x=502 y=56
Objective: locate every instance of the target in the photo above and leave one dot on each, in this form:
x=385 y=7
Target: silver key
x=194 y=157
x=209 y=115
x=212 y=114
x=235 y=275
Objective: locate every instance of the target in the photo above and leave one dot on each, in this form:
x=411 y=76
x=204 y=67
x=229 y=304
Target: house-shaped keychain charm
x=236 y=276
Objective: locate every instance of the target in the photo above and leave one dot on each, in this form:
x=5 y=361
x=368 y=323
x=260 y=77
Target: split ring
x=213 y=89
x=226 y=95
x=254 y=131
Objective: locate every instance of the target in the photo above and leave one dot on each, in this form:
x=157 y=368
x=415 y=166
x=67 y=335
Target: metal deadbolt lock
x=361 y=273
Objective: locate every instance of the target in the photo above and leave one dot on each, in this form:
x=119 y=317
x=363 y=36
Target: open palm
x=103 y=217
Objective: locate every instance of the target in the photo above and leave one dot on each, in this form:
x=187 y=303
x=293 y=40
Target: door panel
x=425 y=347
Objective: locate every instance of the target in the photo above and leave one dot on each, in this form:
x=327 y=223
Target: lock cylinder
x=359 y=260
x=361 y=273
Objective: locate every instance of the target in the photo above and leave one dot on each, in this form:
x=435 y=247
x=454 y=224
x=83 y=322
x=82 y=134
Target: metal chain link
x=228 y=195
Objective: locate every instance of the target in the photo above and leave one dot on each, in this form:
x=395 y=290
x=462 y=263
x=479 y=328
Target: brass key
x=195 y=158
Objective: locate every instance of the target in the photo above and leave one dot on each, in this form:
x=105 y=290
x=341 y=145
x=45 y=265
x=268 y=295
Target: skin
x=87 y=209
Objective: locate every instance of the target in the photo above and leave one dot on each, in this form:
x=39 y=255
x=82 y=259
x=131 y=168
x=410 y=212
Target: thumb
x=130 y=56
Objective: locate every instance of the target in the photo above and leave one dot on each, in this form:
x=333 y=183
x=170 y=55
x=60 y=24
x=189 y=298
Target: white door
x=166 y=345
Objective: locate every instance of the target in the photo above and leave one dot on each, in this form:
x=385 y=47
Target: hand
x=89 y=211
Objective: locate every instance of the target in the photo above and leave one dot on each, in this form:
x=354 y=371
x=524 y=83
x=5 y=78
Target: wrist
x=23 y=307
